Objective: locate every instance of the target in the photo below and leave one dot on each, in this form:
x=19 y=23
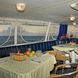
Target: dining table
x=66 y=47
x=72 y=50
x=32 y=67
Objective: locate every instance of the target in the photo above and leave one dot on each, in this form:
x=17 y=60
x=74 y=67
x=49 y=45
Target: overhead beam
x=6 y=19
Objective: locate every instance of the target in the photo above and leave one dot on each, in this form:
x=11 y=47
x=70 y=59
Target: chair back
x=55 y=75
x=76 y=75
x=60 y=57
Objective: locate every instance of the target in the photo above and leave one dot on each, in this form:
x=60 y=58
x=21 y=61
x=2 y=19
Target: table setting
x=37 y=66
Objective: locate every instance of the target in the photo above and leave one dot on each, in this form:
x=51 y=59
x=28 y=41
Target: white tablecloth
x=27 y=68
x=67 y=48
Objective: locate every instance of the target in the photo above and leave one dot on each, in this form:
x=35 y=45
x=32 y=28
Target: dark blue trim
x=43 y=46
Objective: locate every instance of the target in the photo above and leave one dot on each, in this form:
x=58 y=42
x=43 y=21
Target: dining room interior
x=38 y=39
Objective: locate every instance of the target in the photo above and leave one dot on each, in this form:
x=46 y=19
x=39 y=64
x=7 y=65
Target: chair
x=76 y=75
x=58 y=55
x=51 y=52
x=67 y=75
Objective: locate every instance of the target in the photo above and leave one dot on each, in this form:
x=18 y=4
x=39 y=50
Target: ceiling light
x=74 y=6
x=74 y=23
x=72 y=18
x=20 y=6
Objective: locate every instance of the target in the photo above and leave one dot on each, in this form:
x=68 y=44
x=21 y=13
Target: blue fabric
x=43 y=46
x=62 y=30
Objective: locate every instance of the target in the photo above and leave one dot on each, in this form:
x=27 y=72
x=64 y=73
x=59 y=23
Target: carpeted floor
x=64 y=70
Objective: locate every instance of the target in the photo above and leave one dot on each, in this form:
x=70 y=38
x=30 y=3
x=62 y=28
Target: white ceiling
x=57 y=11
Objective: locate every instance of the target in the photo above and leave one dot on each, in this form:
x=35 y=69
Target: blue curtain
x=62 y=30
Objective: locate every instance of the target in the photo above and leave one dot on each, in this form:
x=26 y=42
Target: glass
x=38 y=53
x=59 y=42
x=29 y=49
x=11 y=55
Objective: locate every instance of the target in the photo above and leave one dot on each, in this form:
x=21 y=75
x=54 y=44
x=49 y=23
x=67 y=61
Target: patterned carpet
x=64 y=70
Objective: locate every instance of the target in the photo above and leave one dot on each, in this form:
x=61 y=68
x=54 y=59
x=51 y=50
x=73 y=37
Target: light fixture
x=74 y=6
x=74 y=23
x=72 y=18
x=20 y=7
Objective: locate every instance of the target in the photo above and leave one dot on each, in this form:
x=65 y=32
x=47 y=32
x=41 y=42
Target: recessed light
x=74 y=23
x=72 y=17
x=20 y=7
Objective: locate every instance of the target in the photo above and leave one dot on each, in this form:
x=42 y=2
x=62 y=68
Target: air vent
x=74 y=6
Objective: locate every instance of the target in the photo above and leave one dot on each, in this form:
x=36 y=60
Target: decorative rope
x=8 y=37
x=24 y=39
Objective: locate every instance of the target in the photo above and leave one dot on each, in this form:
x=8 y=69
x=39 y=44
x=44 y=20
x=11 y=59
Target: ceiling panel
x=57 y=11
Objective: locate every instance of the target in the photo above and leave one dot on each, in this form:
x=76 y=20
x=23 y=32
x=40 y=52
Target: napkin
x=36 y=61
x=3 y=61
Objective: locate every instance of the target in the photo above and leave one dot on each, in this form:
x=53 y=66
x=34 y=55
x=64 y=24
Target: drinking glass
x=38 y=53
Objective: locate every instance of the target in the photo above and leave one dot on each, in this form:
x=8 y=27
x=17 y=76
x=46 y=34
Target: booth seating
x=67 y=75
